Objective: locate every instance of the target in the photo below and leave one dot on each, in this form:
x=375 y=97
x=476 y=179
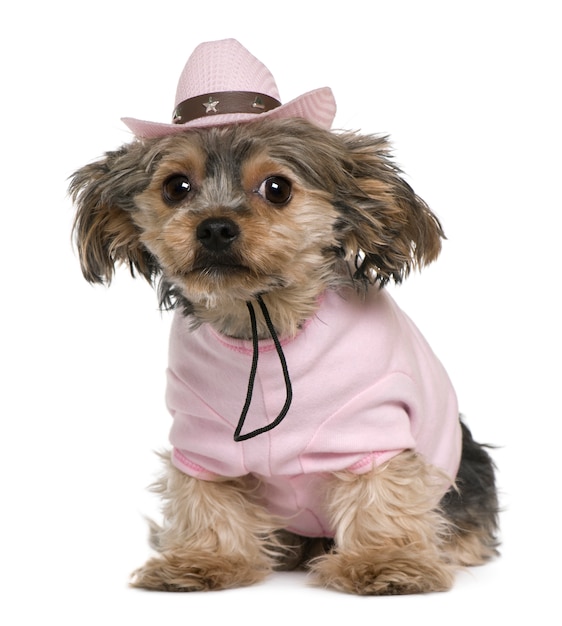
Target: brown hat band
x=223 y=102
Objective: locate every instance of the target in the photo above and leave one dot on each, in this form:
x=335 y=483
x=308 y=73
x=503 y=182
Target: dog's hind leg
x=472 y=506
x=214 y=536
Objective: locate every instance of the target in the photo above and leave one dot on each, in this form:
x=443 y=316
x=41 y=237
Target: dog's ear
x=104 y=232
x=384 y=224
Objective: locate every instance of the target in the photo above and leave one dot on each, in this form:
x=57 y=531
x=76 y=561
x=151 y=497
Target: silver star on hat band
x=210 y=105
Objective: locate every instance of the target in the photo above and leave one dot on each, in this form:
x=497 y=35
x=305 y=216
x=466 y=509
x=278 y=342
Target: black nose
x=217 y=234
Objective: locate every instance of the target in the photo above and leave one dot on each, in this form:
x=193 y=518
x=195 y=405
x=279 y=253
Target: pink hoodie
x=366 y=386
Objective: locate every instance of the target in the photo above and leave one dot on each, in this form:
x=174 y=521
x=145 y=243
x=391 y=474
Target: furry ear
x=384 y=224
x=103 y=230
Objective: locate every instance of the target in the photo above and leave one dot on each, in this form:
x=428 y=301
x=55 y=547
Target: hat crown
x=224 y=65
x=222 y=83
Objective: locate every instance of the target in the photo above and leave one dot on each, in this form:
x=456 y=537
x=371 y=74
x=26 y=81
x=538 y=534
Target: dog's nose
x=216 y=234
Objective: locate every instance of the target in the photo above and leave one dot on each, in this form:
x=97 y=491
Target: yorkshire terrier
x=312 y=424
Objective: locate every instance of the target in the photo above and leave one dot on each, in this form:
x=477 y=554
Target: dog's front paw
x=174 y=571
x=366 y=574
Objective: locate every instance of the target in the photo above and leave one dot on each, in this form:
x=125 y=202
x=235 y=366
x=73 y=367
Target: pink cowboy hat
x=222 y=83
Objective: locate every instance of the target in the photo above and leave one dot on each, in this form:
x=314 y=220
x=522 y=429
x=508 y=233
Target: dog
x=313 y=427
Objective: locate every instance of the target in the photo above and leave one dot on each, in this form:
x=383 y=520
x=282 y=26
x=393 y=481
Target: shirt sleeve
x=382 y=417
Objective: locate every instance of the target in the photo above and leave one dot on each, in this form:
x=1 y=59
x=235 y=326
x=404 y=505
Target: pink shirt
x=366 y=386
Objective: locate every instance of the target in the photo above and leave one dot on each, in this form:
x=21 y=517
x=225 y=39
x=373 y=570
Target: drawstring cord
x=253 y=370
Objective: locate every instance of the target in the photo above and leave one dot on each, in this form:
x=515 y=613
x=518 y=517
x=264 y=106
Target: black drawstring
x=285 y=409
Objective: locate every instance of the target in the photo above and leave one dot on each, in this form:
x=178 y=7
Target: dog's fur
x=294 y=210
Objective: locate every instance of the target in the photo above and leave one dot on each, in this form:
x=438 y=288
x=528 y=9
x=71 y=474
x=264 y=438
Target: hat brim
x=317 y=106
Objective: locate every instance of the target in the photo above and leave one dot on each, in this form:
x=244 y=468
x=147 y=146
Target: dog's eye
x=276 y=190
x=176 y=188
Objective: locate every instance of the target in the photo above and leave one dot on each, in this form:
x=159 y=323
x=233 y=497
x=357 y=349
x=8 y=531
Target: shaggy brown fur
x=391 y=537
x=283 y=210
x=215 y=535
x=348 y=202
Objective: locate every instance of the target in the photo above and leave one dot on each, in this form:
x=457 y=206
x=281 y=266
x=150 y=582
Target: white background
x=469 y=91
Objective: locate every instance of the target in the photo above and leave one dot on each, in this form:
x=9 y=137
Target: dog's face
x=230 y=214
x=273 y=207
